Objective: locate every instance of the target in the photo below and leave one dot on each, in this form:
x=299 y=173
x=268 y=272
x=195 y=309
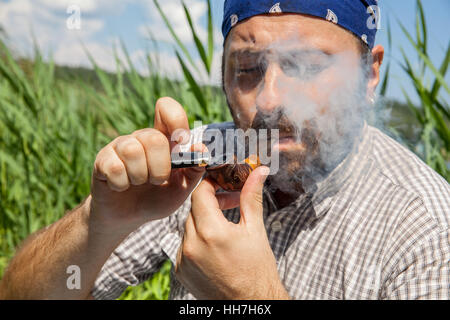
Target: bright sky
x=104 y=22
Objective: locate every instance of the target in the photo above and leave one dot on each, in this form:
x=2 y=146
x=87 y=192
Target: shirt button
x=276 y=226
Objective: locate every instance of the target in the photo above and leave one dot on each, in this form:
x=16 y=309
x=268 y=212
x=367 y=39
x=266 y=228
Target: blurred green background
x=54 y=119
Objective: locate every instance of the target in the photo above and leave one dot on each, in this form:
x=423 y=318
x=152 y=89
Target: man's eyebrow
x=292 y=52
x=245 y=52
x=309 y=53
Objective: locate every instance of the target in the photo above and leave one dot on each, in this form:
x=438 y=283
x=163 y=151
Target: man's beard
x=322 y=140
x=318 y=148
x=299 y=158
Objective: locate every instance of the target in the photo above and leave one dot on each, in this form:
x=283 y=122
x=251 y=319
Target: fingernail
x=181 y=136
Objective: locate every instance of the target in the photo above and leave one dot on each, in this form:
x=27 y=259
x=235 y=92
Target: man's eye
x=248 y=70
x=315 y=68
x=302 y=70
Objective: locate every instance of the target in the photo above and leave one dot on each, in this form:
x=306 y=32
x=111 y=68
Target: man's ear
x=374 y=76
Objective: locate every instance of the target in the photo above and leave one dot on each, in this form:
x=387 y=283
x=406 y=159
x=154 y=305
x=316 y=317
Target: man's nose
x=270 y=96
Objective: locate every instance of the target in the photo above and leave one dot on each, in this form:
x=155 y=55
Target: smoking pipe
x=230 y=176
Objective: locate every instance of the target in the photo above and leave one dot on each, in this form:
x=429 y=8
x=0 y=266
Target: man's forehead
x=287 y=31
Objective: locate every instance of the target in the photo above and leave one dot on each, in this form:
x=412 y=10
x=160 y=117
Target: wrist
x=100 y=226
x=274 y=290
x=268 y=291
x=280 y=293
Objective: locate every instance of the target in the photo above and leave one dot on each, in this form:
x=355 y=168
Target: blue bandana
x=358 y=16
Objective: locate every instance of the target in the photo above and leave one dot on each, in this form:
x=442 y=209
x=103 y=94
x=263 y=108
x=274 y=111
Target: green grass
x=51 y=128
x=433 y=113
x=54 y=120
x=157 y=288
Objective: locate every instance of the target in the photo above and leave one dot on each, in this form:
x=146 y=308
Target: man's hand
x=222 y=260
x=133 y=182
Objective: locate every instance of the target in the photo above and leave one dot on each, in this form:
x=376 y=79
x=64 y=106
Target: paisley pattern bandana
x=361 y=17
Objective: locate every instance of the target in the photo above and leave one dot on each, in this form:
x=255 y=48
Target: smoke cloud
x=321 y=103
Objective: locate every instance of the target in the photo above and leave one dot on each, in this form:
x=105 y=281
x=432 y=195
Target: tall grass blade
x=193 y=85
x=198 y=43
x=443 y=71
x=174 y=36
x=210 y=35
x=426 y=60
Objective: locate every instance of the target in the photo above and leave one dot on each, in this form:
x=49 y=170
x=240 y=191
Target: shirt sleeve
x=137 y=258
x=421 y=262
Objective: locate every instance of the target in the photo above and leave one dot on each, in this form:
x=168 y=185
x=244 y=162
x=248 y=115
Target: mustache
x=276 y=120
x=308 y=133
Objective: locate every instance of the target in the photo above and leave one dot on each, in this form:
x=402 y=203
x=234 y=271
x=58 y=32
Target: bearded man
x=350 y=214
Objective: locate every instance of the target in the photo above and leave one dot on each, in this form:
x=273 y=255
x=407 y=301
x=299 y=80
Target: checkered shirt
x=376 y=228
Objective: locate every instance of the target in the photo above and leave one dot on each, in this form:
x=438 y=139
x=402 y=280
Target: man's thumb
x=251 y=195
